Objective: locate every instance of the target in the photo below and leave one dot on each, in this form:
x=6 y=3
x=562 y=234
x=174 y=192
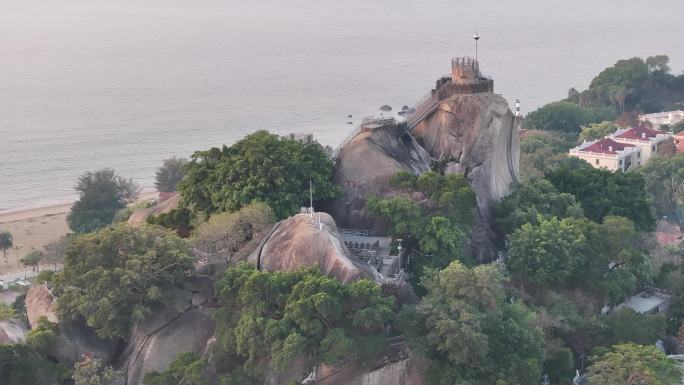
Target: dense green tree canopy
x=101 y=194
x=595 y=131
x=186 y=369
x=91 y=371
x=432 y=219
x=566 y=116
x=271 y=318
x=626 y=325
x=604 y=259
x=634 y=364
x=112 y=277
x=261 y=167
x=532 y=200
x=602 y=192
x=169 y=174
x=664 y=179
x=468 y=331
x=21 y=365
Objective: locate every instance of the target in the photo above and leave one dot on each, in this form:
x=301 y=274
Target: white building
x=663 y=118
x=646 y=303
x=646 y=139
x=609 y=154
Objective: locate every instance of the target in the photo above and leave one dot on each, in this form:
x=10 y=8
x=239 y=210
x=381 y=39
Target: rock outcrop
x=139 y=217
x=12 y=331
x=75 y=338
x=40 y=303
x=475 y=135
x=365 y=165
x=184 y=325
x=303 y=241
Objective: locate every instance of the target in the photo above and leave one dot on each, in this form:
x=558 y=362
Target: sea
x=88 y=84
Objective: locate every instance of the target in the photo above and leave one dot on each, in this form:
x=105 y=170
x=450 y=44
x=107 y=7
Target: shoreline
x=47 y=210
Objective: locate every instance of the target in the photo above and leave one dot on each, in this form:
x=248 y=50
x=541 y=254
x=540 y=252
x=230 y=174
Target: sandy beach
x=34 y=228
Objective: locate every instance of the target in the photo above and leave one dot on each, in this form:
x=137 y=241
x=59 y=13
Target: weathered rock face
x=139 y=217
x=365 y=165
x=409 y=371
x=185 y=325
x=75 y=338
x=299 y=242
x=12 y=331
x=476 y=135
x=39 y=303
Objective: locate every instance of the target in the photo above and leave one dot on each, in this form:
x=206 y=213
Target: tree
x=550 y=253
x=112 y=278
x=91 y=371
x=602 y=193
x=169 y=174
x=32 y=259
x=664 y=184
x=178 y=219
x=53 y=252
x=626 y=325
x=678 y=127
x=469 y=333
x=595 y=131
x=270 y=318
x=6 y=311
x=576 y=253
x=535 y=199
x=186 y=369
x=566 y=116
x=5 y=243
x=20 y=365
x=261 y=167
x=43 y=336
x=102 y=193
x=227 y=233
x=634 y=365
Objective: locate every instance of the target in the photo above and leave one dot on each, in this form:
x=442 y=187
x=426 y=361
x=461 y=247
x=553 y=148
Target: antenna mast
x=310 y=197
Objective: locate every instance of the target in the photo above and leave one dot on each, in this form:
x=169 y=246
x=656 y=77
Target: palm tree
x=5 y=242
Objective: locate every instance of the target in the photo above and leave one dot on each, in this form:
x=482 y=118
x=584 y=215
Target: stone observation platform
x=375 y=251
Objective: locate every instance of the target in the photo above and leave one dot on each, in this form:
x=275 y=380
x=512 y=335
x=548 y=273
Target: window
x=639 y=154
x=620 y=162
x=597 y=161
x=653 y=148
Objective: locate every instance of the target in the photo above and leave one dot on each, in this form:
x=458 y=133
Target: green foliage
x=634 y=364
x=5 y=242
x=178 y=219
x=602 y=193
x=537 y=198
x=45 y=276
x=6 y=311
x=271 y=318
x=53 y=252
x=112 y=277
x=169 y=174
x=435 y=224
x=187 y=369
x=469 y=333
x=566 y=116
x=43 y=336
x=32 y=259
x=556 y=142
x=626 y=325
x=91 y=371
x=20 y=365
x=664 y=181
x=227 y=233
x=558 y=361
x=595 y=131
x=102 y=193
x=678 y=127
x=576 y=253
x=261 y=167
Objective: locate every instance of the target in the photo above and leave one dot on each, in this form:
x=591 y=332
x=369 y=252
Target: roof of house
x=644 y=302
x=605 y=146
x=638 y=133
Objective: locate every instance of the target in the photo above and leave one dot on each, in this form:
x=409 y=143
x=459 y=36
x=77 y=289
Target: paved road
x=27 y=273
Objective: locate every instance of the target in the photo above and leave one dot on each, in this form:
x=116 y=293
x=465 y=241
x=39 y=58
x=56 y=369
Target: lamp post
x=476 y=37
x=17 y=248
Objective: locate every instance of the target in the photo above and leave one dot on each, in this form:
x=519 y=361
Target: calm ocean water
x=86 y=84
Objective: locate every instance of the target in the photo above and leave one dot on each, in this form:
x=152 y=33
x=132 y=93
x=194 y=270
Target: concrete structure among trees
x=662 y=118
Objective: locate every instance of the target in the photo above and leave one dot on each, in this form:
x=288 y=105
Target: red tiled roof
x=640 y=133
x=603 y=146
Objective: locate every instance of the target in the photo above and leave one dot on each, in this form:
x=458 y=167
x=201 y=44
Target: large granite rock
x=365 y=165
x=476 y=135
x=409 y=371
x=40 y=303
x=300 y=241
x=12 y=331
x=184 y=324
x=75 y=338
